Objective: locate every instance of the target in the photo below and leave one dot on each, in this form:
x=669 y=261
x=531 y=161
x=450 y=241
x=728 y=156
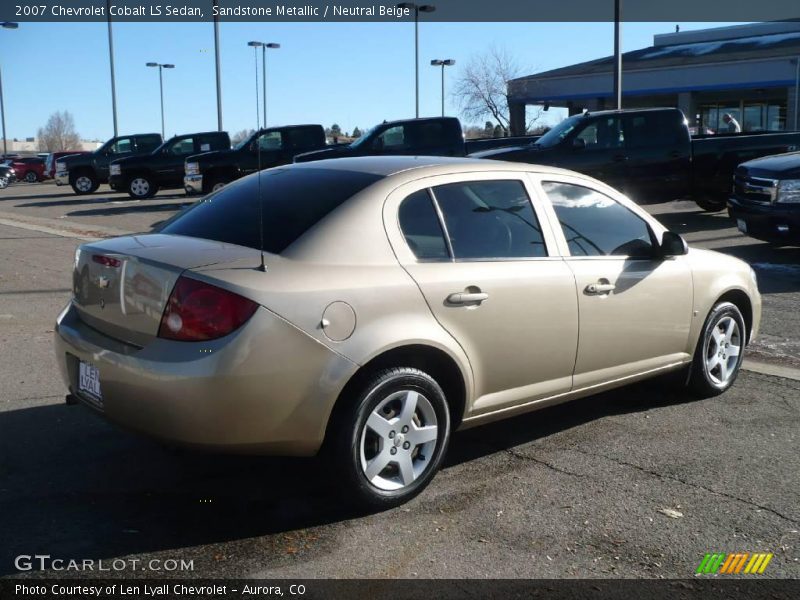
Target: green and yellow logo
x=734 y=564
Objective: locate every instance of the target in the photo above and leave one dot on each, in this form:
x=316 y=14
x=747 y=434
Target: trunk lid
x=121 y=285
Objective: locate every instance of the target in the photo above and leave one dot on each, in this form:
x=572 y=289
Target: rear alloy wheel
x=392 y=442
x=3 y=183
x=219 y=184
x=84 y=183
x=31 y=177
x=141 y=187
x=719 y=352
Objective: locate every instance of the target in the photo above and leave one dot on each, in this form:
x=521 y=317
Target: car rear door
x=635 y=307
x=487 y=264
x=658 y=151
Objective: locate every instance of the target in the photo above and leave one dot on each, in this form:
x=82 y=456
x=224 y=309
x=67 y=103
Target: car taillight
x=199 y=311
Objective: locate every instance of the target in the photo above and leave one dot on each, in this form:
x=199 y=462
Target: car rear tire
x=711 y=203
x=719 y=353
x=391 y=437
x=218 y=184
x=141 y=187
x=31 y=177
x=84 y=183
x=4 y=183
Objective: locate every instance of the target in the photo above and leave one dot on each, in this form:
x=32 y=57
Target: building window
x=767 y=115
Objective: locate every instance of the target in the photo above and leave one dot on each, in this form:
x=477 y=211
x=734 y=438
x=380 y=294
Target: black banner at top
x=377 y=10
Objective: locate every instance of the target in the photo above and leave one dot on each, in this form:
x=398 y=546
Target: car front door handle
x=600 y=288
x=467 y=297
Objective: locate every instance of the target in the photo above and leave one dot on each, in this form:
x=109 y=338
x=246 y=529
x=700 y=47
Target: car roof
x=416 y=166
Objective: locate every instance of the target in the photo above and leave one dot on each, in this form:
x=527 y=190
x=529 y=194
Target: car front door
x=597 y=148
x=635 y=307
x=169 y=166
x=121 y=148
x=487 y=265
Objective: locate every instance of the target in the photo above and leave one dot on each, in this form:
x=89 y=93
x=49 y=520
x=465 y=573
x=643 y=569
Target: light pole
x=417 y=8
x=4 y=25
x=219 y=74
x=263 y=46
x=161 y=87
x=447 y=62
x=111 y=63
x=796 y=90
x=617 y=56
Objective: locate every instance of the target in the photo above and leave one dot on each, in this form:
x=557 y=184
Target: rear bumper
x=267 y=388
x=193 y=184
x=768 y=222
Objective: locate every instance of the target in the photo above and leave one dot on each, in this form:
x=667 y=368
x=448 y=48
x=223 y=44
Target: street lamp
x=111 y=64
x=447 y=62
x=417 y=8
x=161 y=87
x=263 y=46
x=4 y=25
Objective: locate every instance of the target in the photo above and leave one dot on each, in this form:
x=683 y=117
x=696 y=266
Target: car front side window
x=597 y=225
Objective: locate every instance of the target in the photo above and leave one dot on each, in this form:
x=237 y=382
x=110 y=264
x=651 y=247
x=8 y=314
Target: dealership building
x=750 y=71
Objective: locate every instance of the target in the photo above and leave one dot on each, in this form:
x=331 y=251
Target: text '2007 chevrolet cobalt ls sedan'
x=370 y=306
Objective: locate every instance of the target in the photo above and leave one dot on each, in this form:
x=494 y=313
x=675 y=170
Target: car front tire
x=141 y=187
x=4 y=183
x=720 y=351
x=84 y=183
x=31 y=177
x=391 y=437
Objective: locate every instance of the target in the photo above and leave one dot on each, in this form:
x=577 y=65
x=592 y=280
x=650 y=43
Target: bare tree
x=242 y=135
x=58 y=134
x=481 y=88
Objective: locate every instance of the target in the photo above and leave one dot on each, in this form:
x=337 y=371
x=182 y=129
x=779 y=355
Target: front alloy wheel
x=391 y=437
x=84 y=184
x=3 y=183
x=720 y=351
x=31 y=177
x=140 y=187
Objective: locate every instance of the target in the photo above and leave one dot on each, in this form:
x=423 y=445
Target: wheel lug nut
x=406 y=445
x=393 y=451
x=405 y=429
x=391 y=435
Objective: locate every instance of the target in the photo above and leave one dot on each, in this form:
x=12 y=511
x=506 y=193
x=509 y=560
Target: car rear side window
x=490 y=220
x=292 y=201
x=147 y=143
x=597 y=225
x=421 y=227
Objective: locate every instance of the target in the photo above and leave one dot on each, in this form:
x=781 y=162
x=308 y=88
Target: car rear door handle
x=600 y=288
x=467 y=297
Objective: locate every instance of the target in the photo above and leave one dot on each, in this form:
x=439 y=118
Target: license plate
x=89 y=380
x=741 y=225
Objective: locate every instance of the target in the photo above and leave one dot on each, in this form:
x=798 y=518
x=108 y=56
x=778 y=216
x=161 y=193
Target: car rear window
x=292 y=200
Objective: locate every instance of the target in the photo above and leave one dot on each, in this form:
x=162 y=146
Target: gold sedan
x=371 y=306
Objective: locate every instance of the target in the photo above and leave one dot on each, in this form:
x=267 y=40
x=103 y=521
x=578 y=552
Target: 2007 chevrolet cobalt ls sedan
x=370 y=306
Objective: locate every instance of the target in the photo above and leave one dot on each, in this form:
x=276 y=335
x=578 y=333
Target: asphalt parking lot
x=639 y=482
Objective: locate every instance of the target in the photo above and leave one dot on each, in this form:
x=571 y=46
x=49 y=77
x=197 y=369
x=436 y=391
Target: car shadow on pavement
x=37 y=196
x=144 y=206
x=694 y=220
x=72 y=202
x=74 y=486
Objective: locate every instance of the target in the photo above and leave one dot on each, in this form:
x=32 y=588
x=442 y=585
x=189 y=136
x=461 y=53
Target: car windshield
x=557 y=134
x=292 y=201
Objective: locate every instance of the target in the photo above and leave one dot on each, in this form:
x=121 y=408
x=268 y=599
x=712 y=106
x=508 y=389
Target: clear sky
x=346 y=73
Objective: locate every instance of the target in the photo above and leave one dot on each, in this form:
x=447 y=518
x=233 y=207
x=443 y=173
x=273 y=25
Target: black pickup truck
x=435 y=136
x=277 y=146
x=143 y=176
x=85 y=172
x=648 y=154
x=766 y=198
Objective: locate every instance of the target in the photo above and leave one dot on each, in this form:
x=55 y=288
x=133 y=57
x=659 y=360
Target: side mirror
x=673 y=245
x=579 y=143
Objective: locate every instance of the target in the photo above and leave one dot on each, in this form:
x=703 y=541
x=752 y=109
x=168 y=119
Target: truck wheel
x=31 y=177
x=141 y=187
x=83 y=183
x=218 y=184
x=391 y=437
x=711 y=203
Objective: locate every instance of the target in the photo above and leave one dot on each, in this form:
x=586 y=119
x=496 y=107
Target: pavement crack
x=552 y=467
x=689 y=484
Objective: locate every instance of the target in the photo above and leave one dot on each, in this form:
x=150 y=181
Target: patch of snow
x=702 y=48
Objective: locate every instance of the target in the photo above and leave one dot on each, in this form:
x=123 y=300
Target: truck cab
x=85 y=172
x=438 y=136
x=142 y=176
x=263 y=149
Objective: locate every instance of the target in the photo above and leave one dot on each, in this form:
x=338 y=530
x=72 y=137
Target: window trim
x=566 y=253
